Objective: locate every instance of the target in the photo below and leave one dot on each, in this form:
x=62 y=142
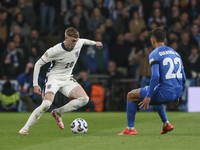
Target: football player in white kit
x=63 y=58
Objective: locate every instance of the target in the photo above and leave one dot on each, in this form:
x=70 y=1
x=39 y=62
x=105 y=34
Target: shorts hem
x=72 y=90
x=49 y=92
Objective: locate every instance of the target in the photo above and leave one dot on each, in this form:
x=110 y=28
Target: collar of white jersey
x=63 y=46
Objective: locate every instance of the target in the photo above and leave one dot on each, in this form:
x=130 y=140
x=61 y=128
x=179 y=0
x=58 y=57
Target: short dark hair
x=159 y=34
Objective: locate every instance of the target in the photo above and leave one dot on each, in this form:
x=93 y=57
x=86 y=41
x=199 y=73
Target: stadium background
x=32 y=26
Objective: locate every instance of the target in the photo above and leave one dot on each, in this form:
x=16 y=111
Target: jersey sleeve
x=88 y=42
x=154 y=79
x=154 y=62
x=36 y=72
x=153 y=58
x=49 y=55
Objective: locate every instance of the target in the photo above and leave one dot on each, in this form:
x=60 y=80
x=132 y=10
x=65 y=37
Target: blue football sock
x=161 y=111
x=131 y=110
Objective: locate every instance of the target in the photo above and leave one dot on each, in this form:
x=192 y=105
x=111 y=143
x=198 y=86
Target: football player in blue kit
x=166 y=84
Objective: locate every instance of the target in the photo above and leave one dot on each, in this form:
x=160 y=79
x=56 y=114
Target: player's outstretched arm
x=98 y=44
x=154 y=80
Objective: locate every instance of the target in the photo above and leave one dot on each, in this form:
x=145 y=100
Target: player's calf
x=73 y=105
x=36 y=114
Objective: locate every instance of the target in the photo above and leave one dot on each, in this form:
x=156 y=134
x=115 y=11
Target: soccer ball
x=79 y=125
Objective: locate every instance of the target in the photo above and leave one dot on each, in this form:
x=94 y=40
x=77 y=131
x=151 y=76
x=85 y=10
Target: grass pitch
x=102 y=132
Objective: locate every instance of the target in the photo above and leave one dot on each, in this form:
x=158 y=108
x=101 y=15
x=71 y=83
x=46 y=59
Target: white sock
x=131 y=128
x=37 y=113
x=165 y=123
x=73 y=105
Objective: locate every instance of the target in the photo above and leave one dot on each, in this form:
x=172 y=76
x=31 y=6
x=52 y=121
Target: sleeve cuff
x=148 y=95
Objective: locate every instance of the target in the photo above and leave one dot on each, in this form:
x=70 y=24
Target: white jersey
x=62 y=60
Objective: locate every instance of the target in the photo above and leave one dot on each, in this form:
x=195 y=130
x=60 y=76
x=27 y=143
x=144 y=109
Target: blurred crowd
x=121 y=25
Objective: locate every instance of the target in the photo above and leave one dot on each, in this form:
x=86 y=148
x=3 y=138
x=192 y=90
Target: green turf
x=102 y=132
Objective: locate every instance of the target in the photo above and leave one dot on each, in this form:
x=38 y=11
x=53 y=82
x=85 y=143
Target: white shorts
x=66 y=87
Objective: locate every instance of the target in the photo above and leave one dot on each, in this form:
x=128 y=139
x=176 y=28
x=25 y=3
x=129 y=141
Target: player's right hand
x=37 y=90
x=99 y=45
x=145 y=103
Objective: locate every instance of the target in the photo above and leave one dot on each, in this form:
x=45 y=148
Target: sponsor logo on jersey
x=46 y=54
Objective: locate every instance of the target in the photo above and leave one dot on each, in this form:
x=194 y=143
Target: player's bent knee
x=132 y=96
x=85 y=100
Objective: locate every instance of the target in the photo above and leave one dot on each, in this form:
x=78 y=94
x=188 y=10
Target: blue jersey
x=167 y=72
x=171 y=69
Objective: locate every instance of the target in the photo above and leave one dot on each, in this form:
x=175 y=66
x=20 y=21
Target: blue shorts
x=161 y=96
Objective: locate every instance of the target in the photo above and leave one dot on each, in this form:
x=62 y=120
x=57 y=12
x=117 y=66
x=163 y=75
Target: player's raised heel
x=167 y=128
x=58 y=118
x=23 y=131
x=128 y=132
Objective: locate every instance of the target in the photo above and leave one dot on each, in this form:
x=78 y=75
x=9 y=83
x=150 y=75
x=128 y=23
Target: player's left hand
x=145 y=103
x=99 y=45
